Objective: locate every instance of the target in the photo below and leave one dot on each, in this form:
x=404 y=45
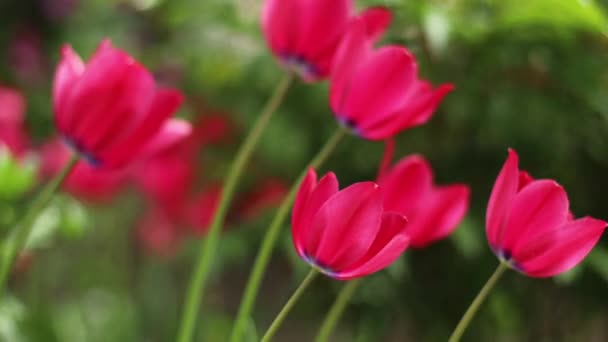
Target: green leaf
x=16 y=177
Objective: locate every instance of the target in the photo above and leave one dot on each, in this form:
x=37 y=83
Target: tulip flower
x=158 y=233
x=267 y=195
x=201 y=209
x=376 y=92
x=345 y=234
x=12 y=131
x=110 y=110
x=529 y=225
x=433 y=212
x=84 y=182
x=304 y=34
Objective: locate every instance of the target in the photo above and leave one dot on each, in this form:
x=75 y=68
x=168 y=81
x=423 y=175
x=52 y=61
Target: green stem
x=336 y=310
x=18 y=238
x=209 y=245
x=261 y=261
x=276 y=324
x=474 y=307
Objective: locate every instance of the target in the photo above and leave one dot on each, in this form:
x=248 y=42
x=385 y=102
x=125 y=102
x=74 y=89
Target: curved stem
x=474 y=307
x=18 y=238
x=334 y=314
x=261 y=261
x=209 y=245
x=289 y=305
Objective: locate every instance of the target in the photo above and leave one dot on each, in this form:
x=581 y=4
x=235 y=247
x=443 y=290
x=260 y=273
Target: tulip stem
x=334 y=314
x=18 y=237
x=276 y=324
x=209 y=245
x=265 y=251
x=474 y=307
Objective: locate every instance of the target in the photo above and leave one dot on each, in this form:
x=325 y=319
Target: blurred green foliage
x=532 y=75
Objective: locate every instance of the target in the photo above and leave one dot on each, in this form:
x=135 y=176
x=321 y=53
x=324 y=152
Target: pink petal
x=505 y=189
x=165 y=104
x=539 y=207
x=560 y=250
x=377 y=20
x=307 y=209
x=171 y=133
x=280 y=23
x=68 y=73
x=306 y=188
x=378 y=86
x=406 y=184
x=389 y=244
x=440 y=213
x=346 y=225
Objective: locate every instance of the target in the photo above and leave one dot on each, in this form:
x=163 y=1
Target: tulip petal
x=307 y=209
x=561 y=249
x=441 y=212
x=503 y=192
x=346 y=225
x=305 y=190
x=389 y=244
x=280 y=22
x=541 y=206
x=68 y=73
x=165 y=103
x=377 y=20
x=407 y=183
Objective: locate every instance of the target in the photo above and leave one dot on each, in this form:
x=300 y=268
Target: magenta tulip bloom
x=377 y=92
x=110 y=109
x=529 y=225
x=304 y=34
x=345 y=234
x=433 y=211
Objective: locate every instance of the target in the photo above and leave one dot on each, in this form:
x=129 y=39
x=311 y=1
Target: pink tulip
x=201 y=209
x=377 y=92
x=529 y=225
x=304 y=34
x=12 y=130
x=345 y=234
x=267 y=195
x=433 y=212
x=84 y=182
x=158 y=233
x=110 y=109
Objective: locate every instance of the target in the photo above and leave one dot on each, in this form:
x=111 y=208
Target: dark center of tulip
x=351 y=124
x=78 y=148
x=505 y=256
x=299 y=65
x=320 y=266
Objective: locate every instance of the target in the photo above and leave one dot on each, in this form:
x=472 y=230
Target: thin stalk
x=265 y=251
x=18 y=238
x=276 y=324
x=334 y=314
x=209 y=245
x=474 y=307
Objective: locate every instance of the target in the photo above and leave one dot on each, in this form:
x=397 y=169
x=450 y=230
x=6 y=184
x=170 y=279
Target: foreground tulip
x=304 y=34
x=345 y=234
x=433 y=212
x=110 y=109
x=529 y=225
x=531 y=230
x=377 y=93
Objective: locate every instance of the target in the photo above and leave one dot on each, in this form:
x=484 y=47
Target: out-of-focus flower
x=26 y=56
x=213 y=129
x=59 y=9
x=529 y=226
x=202 y=207
x=12 y=130
x=345 y=234
x=158 y=233
x=304 y=34
x=433 y=212
x=376 y=92
x=110 y=110
x=267 y=195
x=84 y=181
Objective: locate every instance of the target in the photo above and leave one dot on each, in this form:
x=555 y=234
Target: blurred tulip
x=433 y=212
x=84 y=182
x=26 y=56
x=110 y=110
x=268 y=195
x=529 y=226
x=304 y=34
x=213 y=129
x=377 y=93
x=12 y=130
x=158 y=233
x=201 y=209
x=345 y=234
